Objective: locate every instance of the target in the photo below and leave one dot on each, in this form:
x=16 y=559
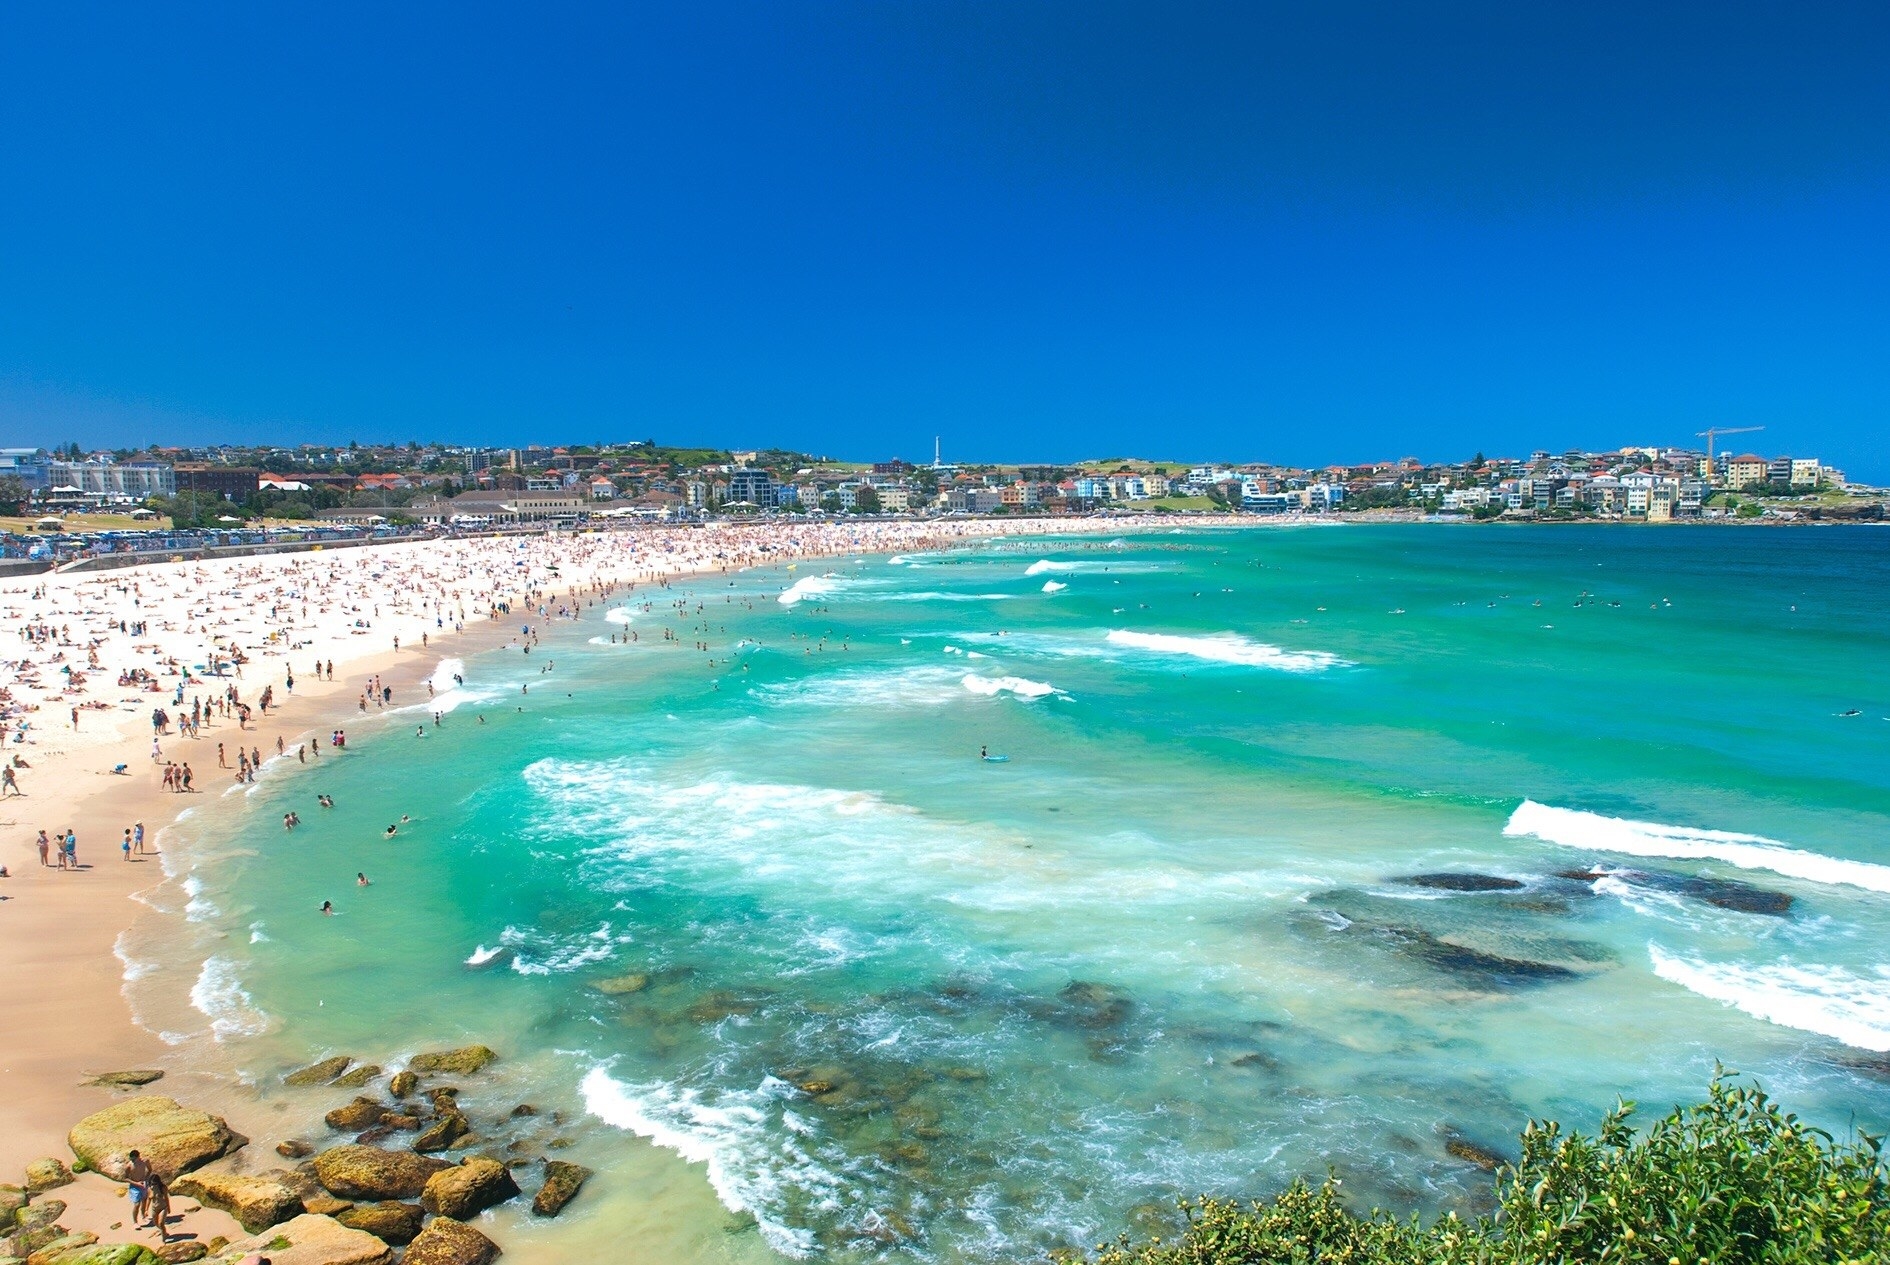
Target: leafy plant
x=1730 y=1181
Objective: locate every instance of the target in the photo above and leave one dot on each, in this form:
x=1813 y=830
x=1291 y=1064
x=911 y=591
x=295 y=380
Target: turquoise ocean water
x=896 y=1001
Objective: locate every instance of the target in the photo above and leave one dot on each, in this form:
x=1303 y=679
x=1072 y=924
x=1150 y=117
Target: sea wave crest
x=1227 y=648
x=1827 y=1000
x=1572 y=828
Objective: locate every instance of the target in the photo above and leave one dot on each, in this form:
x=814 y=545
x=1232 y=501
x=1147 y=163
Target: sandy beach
x=91 y=657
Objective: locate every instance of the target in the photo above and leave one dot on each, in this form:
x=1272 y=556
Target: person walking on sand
x=138 y=1176
x=10 y=782
x=157 y=1206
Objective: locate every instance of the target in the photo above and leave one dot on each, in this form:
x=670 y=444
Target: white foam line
x=1227 y=648
x=1572 y=828
x=1829 y=1001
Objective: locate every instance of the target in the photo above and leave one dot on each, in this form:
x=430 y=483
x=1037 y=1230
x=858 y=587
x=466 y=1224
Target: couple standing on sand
x=150 y=1197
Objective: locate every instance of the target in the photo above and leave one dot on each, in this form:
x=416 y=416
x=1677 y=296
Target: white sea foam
x=197 y=906
x=535 y=953
x=1013 y=685
x=219 y=995
x=619 y=615
x=1051 y=586
x=726 y=1136
x=1827 y=1000
x=1572 y=828
x=1227 y=648
x=482 y=955
x=442 y=678
x=1044 y=564
x=912 y=687
x=807 y=586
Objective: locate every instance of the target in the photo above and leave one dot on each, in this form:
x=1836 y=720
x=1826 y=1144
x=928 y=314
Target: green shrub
x=1731 y=1181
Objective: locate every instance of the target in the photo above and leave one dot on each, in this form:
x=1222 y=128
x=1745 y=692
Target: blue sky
x=1330 y=231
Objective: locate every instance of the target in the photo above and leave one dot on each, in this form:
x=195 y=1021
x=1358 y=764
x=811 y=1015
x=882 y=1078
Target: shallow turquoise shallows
x=1345 y=848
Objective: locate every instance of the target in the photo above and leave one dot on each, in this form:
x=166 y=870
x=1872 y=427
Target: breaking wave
x=1228 y=648
x=1827 y=1000
x=1572 y=828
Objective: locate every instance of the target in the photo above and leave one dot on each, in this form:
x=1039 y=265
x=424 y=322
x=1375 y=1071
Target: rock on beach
x=173 y=1138
x=257 y=1201
x=313 y=1240
x=468 y=1188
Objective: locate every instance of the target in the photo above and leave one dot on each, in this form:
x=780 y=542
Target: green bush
x=1731 y=1181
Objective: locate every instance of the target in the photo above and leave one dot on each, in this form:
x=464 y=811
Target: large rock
x=257 y=1201
x=468 y=1188
x=368 y=1172
x=395 y=1222
x=461 y=1062
x=444 y=1133
x=173 y=1139
x=12 y=1199
x=39 y=1213
x=110 y=1254
x=562 y=1182
x=447 y=1242
x=401 y=1084
x=313 y=1240
x=47 y=1174
x=319 y=1073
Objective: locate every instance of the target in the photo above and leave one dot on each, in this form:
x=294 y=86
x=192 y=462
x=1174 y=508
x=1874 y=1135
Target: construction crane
x=1711 y=431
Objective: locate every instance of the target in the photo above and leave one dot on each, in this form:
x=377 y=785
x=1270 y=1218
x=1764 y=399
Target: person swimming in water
x=360 y=879
x=328 y=907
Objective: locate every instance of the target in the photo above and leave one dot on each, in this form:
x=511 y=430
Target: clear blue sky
x=1329 y=231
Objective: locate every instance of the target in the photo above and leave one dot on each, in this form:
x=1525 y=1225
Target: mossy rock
x=448 y=1242
x=40 y=1212
x=321 y=1073
x=47 y=1174
x=388 y=1220
x=62 y=1241
x=401 y=1084
x=619 y=985
x=12 y=1199
x=313 y=1240
x=173 y=1138
x=358 y=1077
x=451 y=1129
x=467 y=1189
x=131 y=1078
x=366 y=1172
x=107 y=1254
x=562 y=1183
x=461 y=1062
x=256 y=1201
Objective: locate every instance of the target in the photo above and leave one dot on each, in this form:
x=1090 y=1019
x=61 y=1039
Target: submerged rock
x=1478 y=964
x=562 y=1183
x=468 y=1188
x=461 y=1062
x=367 y=1172
x=319 y=1073
x=294 y=1149
x=257 y=1202
x=313 y=1240
x=388 y=1220
x=1459 y=1147
x=1457 y=882
x=448 y=1242
x=401 y=1084
x=173 y=1138
x=622 y=984
x=130 y=1079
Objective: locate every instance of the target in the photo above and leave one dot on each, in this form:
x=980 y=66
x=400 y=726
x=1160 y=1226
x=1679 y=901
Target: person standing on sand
x=125 y=847
x=137 y=837
x=45 y=849
x=10 y=782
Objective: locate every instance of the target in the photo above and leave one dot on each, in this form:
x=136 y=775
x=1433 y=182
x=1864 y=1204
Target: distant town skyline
x=1214 y=231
